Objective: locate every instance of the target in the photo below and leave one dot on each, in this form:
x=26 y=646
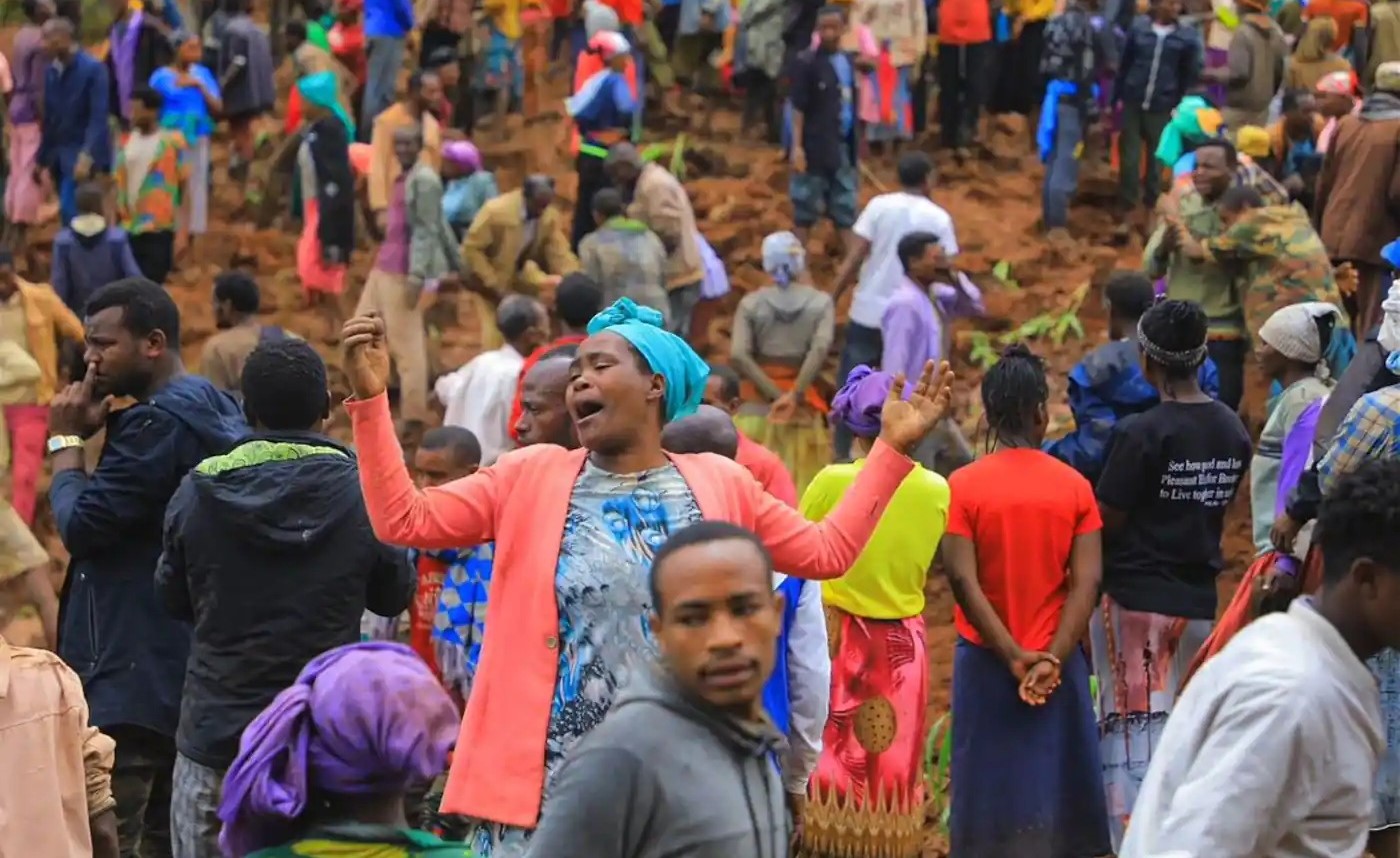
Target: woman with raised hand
x=575 y=532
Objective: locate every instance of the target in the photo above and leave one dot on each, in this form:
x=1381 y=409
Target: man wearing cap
x=1355 y=207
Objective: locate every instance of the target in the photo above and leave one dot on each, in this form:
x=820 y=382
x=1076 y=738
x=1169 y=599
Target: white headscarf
x=1292 y=331
x=1390 y=324
x=784 y=257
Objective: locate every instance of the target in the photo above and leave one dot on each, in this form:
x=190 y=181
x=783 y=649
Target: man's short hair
x=146 y=307
x=461 y=442
x=239 y=289
x=1232 y=155
x=517 y=314
x=700 y=533
x=708 y=430
x=608 y=203
x=89 y=198
x=912 y=247
x=1240 y=198
x=913 y=169
x=577 y=300
x=149 y=98
x=1129 y=294
x=1360 y=518
x=284 y=385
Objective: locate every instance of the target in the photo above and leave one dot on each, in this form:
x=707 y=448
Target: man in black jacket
x=129 y=653
x=269 y=552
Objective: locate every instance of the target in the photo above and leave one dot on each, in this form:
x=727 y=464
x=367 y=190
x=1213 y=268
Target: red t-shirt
x=423 y=611
x=768 y=469
x=1022 y=509
x=964 y=22
x=530 y=361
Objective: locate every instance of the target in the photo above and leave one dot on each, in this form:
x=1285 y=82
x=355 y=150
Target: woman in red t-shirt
x=1023 y=555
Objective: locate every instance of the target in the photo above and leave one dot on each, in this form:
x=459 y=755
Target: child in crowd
x=150 y=184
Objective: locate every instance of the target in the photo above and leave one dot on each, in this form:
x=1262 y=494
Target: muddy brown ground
x=739 y=193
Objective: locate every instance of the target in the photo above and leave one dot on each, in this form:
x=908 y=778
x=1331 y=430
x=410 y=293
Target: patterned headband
x=1187 y=359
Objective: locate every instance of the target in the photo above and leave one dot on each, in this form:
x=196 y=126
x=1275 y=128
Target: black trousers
x=761 y=103
x=962 y=87
x=1020 y=87
x=592 y=178
x=1229 y=357
x=155 y=254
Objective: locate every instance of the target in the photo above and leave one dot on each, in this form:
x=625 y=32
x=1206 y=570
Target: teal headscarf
x=1193 y=122
x=322 y=90
x=664 y=352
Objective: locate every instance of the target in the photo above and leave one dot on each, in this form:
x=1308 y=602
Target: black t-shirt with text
x=1173 y=469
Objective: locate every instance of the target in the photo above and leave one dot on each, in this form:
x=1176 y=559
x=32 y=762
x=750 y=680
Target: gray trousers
x=683 y=300
x=381 y=79
x=194 y=810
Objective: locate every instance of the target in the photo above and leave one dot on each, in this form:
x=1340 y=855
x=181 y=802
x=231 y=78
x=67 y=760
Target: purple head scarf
x=463 y=154
x=861 y=399
x=362 y=719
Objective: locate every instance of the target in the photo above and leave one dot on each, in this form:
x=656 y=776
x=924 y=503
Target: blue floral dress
x=614 y=525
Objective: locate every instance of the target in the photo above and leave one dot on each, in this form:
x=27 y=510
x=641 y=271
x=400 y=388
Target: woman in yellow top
x=866 y=797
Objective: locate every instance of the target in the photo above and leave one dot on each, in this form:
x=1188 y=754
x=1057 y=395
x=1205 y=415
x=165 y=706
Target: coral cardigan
x=520 y=502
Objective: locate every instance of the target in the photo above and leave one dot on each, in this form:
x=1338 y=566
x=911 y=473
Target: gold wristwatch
x=58 y=443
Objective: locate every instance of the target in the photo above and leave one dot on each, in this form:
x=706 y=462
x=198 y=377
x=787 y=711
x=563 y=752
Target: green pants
x=1141 y=130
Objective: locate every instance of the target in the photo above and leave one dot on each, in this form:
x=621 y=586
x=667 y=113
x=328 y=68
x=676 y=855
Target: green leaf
x=1002 y=270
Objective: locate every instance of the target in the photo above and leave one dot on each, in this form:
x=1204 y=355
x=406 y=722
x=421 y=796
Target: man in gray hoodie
x=1254 y=75
x=683 y=766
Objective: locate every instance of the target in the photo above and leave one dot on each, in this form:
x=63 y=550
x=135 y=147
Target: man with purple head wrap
x=330 y=760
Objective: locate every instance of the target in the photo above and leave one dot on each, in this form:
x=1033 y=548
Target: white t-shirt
x=887 y=219
x=1271 y=750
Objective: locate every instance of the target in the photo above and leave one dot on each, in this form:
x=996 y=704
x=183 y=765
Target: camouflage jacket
x=1279 y=260
x=626 y=260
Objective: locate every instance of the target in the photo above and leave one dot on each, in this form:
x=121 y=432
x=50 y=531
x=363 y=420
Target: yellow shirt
x=887 y=580
x=1037 y=10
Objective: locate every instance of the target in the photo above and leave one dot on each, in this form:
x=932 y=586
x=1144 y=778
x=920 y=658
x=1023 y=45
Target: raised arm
x=459 y=513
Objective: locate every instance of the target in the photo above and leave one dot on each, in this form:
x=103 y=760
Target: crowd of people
x=273 y=642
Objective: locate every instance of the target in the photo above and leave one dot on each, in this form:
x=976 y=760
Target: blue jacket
x=83 y=264
x=776 y=694
x=75 y=115
x=1105 y=387
x=388 y=18
x=1154 y=75
x=129 y=653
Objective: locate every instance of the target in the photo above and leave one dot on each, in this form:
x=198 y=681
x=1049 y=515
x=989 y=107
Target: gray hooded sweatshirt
x=664 y=775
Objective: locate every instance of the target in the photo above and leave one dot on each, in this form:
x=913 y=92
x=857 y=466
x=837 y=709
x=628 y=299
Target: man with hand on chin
x=129 y=654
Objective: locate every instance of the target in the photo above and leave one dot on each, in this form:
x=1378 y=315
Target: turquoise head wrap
x=322 y=90
x=666 y=353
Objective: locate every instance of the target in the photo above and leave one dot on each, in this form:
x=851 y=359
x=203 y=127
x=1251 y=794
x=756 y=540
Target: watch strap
x=58 y=443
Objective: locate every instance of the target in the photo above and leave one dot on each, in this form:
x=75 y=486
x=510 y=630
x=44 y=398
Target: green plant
x=676 y=150
x=986 y=349
x=938 y=758
x=1002 y=272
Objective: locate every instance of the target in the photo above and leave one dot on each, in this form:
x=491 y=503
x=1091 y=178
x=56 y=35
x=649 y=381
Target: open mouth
x=584 y=410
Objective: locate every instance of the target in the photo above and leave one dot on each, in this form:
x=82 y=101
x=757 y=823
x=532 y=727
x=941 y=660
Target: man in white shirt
x=478 y=396
x=1273 y=748
x=875 y=254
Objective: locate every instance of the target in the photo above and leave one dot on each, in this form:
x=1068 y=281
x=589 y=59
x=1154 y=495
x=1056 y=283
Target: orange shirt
x=629 y=12
x=1348 y=14
x=1022 y=509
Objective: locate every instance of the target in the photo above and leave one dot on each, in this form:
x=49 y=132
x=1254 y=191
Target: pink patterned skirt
x=866 y=798
x=23 y=195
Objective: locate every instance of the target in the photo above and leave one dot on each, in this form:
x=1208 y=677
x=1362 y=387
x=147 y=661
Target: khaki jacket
x=46 y=317
x=660 y=202
x=384 y=166
x=495 y=250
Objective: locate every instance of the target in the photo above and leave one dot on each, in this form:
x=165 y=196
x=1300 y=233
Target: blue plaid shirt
x=461 y=613
x=1371 y=430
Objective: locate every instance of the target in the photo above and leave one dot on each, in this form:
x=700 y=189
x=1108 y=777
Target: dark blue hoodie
x=129 y=653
